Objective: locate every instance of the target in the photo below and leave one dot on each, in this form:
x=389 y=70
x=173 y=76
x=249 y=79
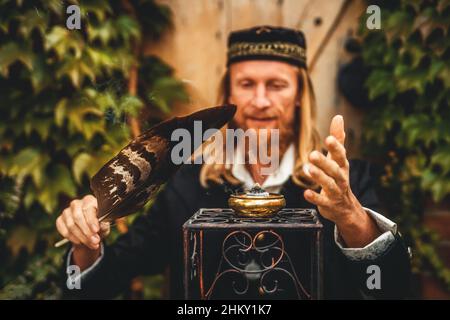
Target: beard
x=286 y=136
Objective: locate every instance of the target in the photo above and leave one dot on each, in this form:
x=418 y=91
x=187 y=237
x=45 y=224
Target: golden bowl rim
x=244 y=196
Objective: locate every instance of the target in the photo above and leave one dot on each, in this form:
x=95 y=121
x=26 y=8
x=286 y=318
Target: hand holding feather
x=127 y=181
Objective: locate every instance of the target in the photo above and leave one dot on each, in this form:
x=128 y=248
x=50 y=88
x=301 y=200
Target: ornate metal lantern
x=229 y=256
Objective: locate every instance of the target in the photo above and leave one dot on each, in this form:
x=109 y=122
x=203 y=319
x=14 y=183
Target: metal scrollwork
x=259 y=260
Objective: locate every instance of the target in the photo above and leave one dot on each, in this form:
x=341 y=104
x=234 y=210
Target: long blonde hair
x=308 y=138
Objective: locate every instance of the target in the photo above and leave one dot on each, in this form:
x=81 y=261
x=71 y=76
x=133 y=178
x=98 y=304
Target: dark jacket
x=154 y=241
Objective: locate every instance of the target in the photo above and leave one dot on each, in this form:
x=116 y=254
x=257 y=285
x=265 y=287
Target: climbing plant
x=407 y=128
x=66 y=104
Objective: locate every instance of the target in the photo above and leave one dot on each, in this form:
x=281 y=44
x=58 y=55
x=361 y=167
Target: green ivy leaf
x=60 y=112
x=407 y=78
x=29 y=161
x=92 y=127
x=100 y=58
x=65 y=42
x=29 y=196
x=399 y=23
x=380 y=82
x=58 y=181
x=12 y=52
x=77 y=114
x=440 y=189
x=81 y=165
x=76 y=70
x=40 y=74
x=128 y=28
x=41 y=125
x=101 y=9
x=10 y=197
x=436 y=67
x=165 y=92
x=441 y=157
x=104 y=32
x=21 y=237
x=444 y=75
x=130 y=105
x=33 y=19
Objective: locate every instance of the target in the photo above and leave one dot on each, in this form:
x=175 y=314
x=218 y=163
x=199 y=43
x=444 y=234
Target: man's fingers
x=76 y=235
x=90 y=207
x=90 y=214
x=61 y=226
x=90 y=200
x=79 y=218
x=315 y=198
x=337 y=128
x=323 y=180
x=329 y=166
x=73 y=229
x=337 y=151
x=105 y=229
x=64 y=231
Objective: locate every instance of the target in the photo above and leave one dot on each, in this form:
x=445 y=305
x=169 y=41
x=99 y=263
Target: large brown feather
x=124 y=184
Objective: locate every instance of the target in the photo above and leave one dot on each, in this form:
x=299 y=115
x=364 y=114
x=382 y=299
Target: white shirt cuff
x=377 y=247
x=85 y=272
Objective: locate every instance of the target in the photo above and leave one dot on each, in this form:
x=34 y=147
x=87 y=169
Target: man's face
x=264 y=93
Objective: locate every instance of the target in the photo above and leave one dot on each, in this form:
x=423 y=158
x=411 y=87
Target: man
x=267 y=79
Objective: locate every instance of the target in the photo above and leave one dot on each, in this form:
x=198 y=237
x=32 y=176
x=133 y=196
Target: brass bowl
x=256 y=206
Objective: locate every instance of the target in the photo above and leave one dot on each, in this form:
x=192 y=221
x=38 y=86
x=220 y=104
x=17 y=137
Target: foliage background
x=407 y=128
x=67 y=99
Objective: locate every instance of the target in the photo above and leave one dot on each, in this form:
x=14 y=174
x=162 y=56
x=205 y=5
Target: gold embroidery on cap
x=280 y=49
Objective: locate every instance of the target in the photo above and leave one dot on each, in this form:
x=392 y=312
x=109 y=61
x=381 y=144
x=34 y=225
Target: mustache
x=255 y=114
